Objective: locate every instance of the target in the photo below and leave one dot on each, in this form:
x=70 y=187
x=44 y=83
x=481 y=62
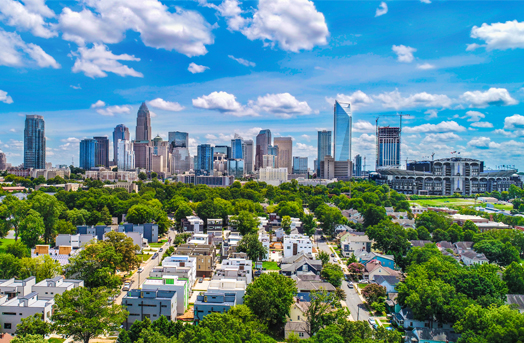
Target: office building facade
x=235 y=167
x=300 y=165
x=285 y=152
x=342 y=131
x=34 y=142
x=143 y=152
x=180 y=161
x=204 y=160
x=223 y=149
x=125 y=155
x=88 y=149
x=358 y=166
x=3 y=161
x=102 y=152
x=120 y=132
x=143 y=124
x=263 y=141
x=178 y=139
x=388 y=147
x=236 y=148
x=324 y=148
x=248 y=156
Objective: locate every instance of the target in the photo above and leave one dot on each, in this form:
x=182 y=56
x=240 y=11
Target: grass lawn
x=5 y=242
x=156 y=245
x=144 y=257
x=56 y=340
x=444 y=202
x=270 y=266
x=362 y=285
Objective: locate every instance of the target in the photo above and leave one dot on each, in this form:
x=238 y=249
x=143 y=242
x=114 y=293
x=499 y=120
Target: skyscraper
x=299 y=165
x=143 y=152
x=178 y=139
x=388 y=149
x=102 y=152
x=143 y=124
x=236 y=148
x=204 y=160
x=248 y=156
x=324 y=147
x=358 y=165
x=180 y=161
x=223 y=149
x=263 y=141
x=34 y=142
x=120 y=132
x=88 y=148
x=285 y=152
x=235 y=167
x=125 y=155
x=3 y=161
x=342 y=132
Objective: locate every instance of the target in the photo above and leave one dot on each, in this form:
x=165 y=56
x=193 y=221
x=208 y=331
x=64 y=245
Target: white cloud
x=500 y=36
x=516 y=121
x=304 y=150
x=425 y=66
x=112 y=110
x=395 y=100
x=242 y=61
x=223 y=102
x=292 y=24
x=231 y=10
x=382 y=9
x=491 y=97
x=474 y=116
x=483 y=143
x=27 y=18
x=445 y=137
x=98 y=60
x=14 y=52
x=425 y=1
x=357 y=100
x=5 y=98
x=482 y=124
x=445 y=126
x=404 y=53
x=75 y=87
x=195 y=68
x=71 y=140
x=306 y=137
x=184 y=31
x=504 y=133
x=284 y=105
x=99 y=103
x=474 y=46
x=166 y=105
x=432 y=114
x=363 y=126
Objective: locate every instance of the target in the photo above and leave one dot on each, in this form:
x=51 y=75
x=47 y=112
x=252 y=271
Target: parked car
x=155 y=255
x=332 y=255
x=200 y=280
x=127 y=286
x=140 y=270
x=335 y=260
x=161 y=249
x=372 y=321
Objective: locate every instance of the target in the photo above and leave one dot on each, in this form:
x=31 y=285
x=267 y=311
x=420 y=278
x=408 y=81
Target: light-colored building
x=269 y=161
x=61 y=255
x=125 y=155
x=199 y=239
x=205 y=255
x=50 y=173
x=235 y=268
x=48 y=288
x=224 y=286
x=265 y=240
x=230 y=243
x=13 y=310
x=171 y=283
x=130 y=187
x=182 y=266
x=273 y=176
x=296 y=243
x=193 y=224
x=355 y=244
x=13 y=288
x=74 y=241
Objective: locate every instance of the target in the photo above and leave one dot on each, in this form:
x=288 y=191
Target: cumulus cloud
x=98 y=60
x=242 y=61
x=431 y=114
x=483 y=143
x=71 y=140
x=5 y=98
x=195 y=68
x=223 y=102
x=28 y=17
x=404 y=53
x=425 y=1
x=112 y=110
x=382 y=9
x=184 y=31
x=445 y=126
x=445 y=137
x=425 y=66
x=513 y=122
x=395 y=100
x=97 y=104
x=363 y=126
x=500 y=36
x=166 y=105
x=474 y=116
x=284 y=105
x=491 y=97
x=306 y=137
x=357 y=100
x=230 y=9
x=14 y=52
x=482 y=124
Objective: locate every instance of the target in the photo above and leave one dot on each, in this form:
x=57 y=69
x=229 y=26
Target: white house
x=199 y=239
x=75 y=241
x=264 y=239
x=296 y=243
x=12 y=311
x=48 y=288
x=239 y=269
x=355 y=244
x=13 y=288
x=472 y=257
x=182 y=266
x=229 y=286
x=171 y=283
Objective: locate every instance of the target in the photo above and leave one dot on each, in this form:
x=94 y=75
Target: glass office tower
x=342 y=132
x=34 y=142
x=388 y=150
x=324 y=148
x=88 y=153
x=204 y=164
x=236 y=148
x=178 y=139
x=120 y=132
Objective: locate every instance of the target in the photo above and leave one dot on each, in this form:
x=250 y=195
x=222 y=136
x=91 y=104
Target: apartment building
x=230 y=286
x=205 y=256
x=209 y=302
x=193 y=224
x=12 y=311
x=171 y=283
x=182 y=266
x=150 y=304
x=296 y=243
x=238 y=269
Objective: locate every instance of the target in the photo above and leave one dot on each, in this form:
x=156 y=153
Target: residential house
x=230 y=243
x=461 y=247
x=264 y=239
x=355 y=244
x=205 y=255
x=304 y=288
x=98 y=230
x=471 y=257
x=353 y=216
x=296 y=243
x=214 y=224
x=374 y=268
x=387 y=281
x=216 y=236
x=445 y=245
x=48 y=288
x=209 y=302
x=239 y=269
x=517 y=300
x=193 y=224
x=171 y=283
x=385 y=260
x=302 y=266
x=230 y=286
x=418 y=243
x=61 y=255
x=405 y=222
x=150 y=304
x=13 y=310
x=296 y=322
x=182 y=266
x=149 y=231
x=406 y=319
x=199 y=239
x=13 y=288
x=74 y=241
x=426 y=335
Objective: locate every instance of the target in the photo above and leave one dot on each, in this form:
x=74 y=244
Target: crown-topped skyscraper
x=143 y=124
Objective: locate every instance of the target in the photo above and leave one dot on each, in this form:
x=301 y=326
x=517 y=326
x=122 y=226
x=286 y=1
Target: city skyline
x=457 y=82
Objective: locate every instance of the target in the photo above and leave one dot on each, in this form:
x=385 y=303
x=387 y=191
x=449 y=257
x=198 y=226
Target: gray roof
x=446 y=245
x=474 y=255
x=295 y=326
x=392 y=280
x=517 y=299
x=294 y=258
x=314 y=286
x=292 y=267
x=419 y=243
x=464 y=245
x=438 y=335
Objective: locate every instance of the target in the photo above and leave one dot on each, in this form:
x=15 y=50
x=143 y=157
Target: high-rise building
x=219 y=163
x=342 y=131
x=388 y=147
x=235 y=167
x=324 y=147
x=285 y=152
x=120 y=132
x=358 y=166
x=178 y=139
x=299 y=165
x=269 y=161
x=223 y=149
x=88 y=148
x=273 y=150
x=3 y=161
x=161 y=155
x=34 y=142
x=125 y=155
x=341 y=170
x=248 y=156
x=102 y=152
x=143 y=124
x=143 y=152
x=236 y=148
x=180 y=161
x=263 y=141
x=204 y=160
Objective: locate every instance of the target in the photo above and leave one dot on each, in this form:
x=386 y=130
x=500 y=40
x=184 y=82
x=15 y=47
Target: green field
x=443 y=202
x=156 y=245
x=56 y=340
x=5 y=242
x=144 y=257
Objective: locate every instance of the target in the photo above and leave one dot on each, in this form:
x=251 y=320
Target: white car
x=372 y=321
x=127 y=286
x=140 y=270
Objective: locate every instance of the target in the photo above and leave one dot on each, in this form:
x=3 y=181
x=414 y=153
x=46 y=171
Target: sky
x=214 y=69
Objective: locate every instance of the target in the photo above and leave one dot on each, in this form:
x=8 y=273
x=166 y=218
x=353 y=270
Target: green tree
x=440 y=235
x=42 y=267
x=514 y=278
x=323 y=256
x=12 y=213
x=469 y=225
x=323 y=310
x=330 y=217
x=9 y=266
x=65 y=227
x=373 y=292
x=270 y=298
x=183 y=211
x=18 y=249
x=83 y=314
x=125 y=248
x=333 y=274
x=309 y=225
x=246 y=222
x=498 y=252
x=433 y=220
x=455 y=233
x=423 y=234
x=32 y=228
x=412 y=234
x=140 y=214
x=142 y=176
x=105 y=216
x=374 y=215
x=356 y=269
x=389 y=237
x=49 y=208
x=33 y=325
x=254 y=249
x=29 y=339
x=286 y=224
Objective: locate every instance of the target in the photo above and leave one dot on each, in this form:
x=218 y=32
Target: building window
x=300 y=334
x=7 y=326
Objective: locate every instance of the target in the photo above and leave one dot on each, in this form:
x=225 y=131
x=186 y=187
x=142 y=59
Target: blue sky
x=214 y=69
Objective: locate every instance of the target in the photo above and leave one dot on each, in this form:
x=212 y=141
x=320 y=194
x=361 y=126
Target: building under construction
x=388 y=147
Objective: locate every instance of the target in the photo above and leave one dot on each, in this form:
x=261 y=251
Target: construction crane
x=400 y=115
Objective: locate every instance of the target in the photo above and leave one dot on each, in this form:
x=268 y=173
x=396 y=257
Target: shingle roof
x=438 y=335
x=314 y=286
x=419 y=243
x=291 y=267
x=296 y=326
x=391 y=279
